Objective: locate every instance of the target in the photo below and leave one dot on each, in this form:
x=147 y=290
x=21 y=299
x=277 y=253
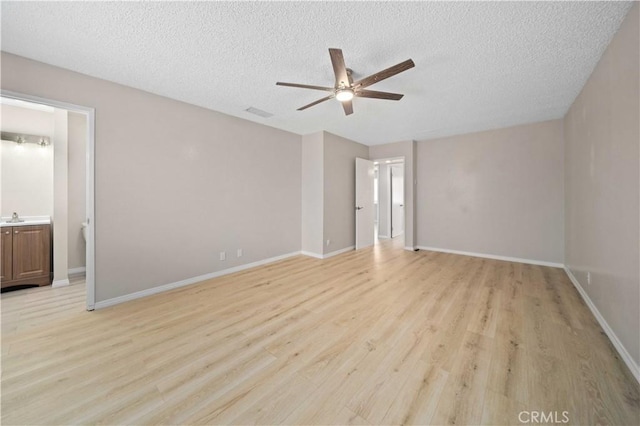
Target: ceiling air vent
x=259 y=112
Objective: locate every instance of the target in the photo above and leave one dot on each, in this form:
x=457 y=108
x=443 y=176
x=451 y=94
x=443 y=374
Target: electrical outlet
x=223 y=255
x=328 y=242
x=589 y=278
x=239 y=252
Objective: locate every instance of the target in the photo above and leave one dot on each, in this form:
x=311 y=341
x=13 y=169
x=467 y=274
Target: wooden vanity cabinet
x=26 y=255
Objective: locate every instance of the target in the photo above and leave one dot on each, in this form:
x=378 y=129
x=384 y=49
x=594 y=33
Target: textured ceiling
x=478 y=65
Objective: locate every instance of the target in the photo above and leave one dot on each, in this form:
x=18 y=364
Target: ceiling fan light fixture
x=344 y=95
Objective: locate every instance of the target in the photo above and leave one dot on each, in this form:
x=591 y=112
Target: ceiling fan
x=345 y=88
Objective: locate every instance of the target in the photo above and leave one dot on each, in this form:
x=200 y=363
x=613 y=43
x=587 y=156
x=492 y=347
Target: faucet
x=15 y=218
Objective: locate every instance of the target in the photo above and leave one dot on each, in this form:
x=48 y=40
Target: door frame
x=89 y=112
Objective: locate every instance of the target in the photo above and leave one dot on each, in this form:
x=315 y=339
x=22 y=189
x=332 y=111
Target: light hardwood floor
x=378 y=336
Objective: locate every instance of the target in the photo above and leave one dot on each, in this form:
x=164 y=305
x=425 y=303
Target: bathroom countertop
x=28 y=220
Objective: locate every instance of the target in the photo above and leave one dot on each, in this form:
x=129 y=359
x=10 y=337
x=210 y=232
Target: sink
x=15 y=221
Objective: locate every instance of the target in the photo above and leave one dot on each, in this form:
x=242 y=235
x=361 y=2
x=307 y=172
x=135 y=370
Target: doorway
x=390 y=197
x=396 y=176
x=77 y=114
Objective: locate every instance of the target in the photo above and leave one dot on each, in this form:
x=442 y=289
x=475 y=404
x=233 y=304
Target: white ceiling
x=478 y=65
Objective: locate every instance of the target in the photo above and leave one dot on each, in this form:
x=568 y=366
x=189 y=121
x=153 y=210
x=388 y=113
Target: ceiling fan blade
x=379 y=95
x=339 y=69
x=316 y=102
x=348 y=107
x=306 y=86
x=384 y=74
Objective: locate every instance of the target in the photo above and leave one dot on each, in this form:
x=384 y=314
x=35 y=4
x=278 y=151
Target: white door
x=397 y=200
x=365 y=214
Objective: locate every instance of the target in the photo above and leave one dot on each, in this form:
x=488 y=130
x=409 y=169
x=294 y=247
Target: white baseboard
x=188 y=281
x=337 y=252
x=383 y=237
x=409 y=248
x=311 y=254
x=325 y=256
x=635 y=369
x=496 y=257
x=60 y=283
x=77 y=271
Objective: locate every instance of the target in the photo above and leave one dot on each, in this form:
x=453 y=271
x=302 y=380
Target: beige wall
x=602 y=139
x=175 y=183
x=328 y=192
x=77 y=139
x=27 y=170
x=312 y=193
x=406 y=149
x=340 y=191
x=498 y=192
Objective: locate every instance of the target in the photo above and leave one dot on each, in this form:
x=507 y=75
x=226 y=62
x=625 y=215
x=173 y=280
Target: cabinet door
x=31 y=251
x=7 y=249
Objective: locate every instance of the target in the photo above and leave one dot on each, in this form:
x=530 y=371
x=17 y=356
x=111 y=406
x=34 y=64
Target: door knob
x=359 y=208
